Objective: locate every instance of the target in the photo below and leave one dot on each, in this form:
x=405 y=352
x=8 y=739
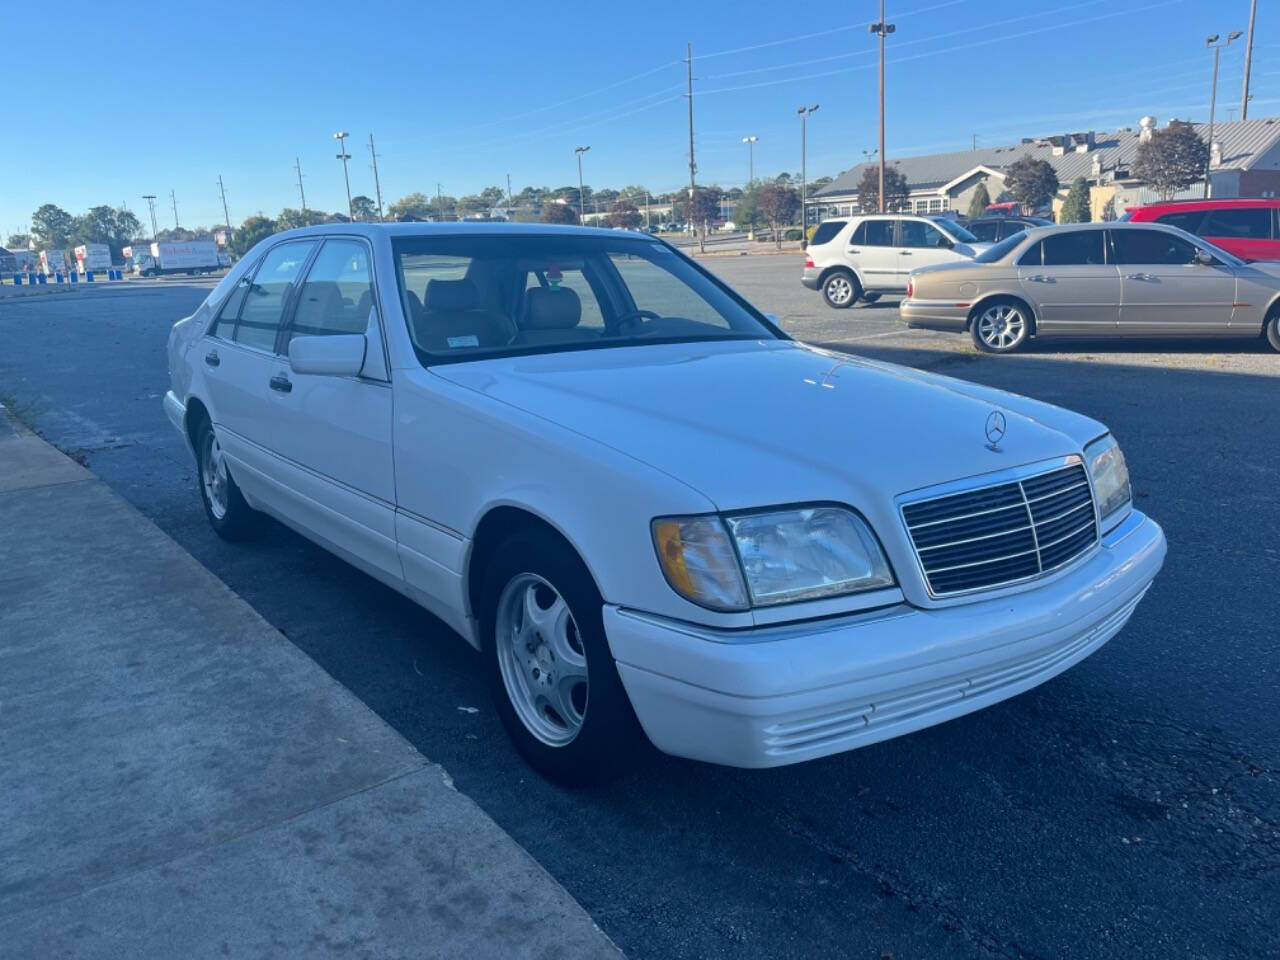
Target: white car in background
x=862 y=257
x=640 y=500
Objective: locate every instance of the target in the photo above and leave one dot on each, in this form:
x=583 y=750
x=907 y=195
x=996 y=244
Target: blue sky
x=463 y=94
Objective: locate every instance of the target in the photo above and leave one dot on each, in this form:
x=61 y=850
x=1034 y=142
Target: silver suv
x=862 y=257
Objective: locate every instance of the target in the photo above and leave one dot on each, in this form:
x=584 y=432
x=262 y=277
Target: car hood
x=971 y=249
x=753 y=423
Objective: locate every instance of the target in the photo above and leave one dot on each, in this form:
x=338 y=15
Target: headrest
x=548 y=308
x=450 y=296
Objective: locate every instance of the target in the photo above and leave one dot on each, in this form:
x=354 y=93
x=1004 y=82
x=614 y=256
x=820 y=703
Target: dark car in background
x=995 y=229
x=1249 y=227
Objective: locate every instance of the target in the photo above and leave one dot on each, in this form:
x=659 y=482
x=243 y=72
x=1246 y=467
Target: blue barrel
x=74 y=276
x=88 y=276
x=42 y=278
x=57 y=277
x=17 y=279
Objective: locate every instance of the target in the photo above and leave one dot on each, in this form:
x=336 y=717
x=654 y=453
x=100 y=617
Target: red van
x=1249 y=227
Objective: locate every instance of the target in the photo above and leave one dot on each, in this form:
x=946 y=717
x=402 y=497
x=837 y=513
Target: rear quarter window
x=1188 y=220
x=827 y=231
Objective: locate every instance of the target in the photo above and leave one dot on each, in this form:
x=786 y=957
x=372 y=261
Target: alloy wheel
x=1002 y=326
x=213 y=475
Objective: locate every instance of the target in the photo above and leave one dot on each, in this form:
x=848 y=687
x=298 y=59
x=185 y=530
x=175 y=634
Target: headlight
x=1110 y=480
x=781 y=556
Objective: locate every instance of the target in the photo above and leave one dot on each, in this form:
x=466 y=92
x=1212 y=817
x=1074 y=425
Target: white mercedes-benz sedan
x=641 y=501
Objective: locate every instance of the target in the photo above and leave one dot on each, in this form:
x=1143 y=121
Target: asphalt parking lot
x=1128 y=808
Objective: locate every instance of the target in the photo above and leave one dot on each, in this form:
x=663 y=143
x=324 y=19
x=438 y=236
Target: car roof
x=1223 y=203
x=1100 y=225
x=484 y=228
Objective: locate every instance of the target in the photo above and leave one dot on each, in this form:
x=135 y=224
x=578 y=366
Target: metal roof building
x=1245 y=161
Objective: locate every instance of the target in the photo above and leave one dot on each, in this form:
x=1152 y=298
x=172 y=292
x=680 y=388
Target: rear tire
x=841 y=289
x=1271 y=329
x=551 y=674
x=230 y=516
x=1001 y=326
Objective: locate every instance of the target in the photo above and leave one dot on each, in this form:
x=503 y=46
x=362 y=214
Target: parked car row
x=1160 y=272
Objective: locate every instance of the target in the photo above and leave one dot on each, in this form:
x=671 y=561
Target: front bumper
x=785 y=694
x=934 y=314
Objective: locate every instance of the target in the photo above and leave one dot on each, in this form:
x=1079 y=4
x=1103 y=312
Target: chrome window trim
x=996 y=478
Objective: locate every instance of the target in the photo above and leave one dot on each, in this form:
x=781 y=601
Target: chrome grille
x=1003 y=533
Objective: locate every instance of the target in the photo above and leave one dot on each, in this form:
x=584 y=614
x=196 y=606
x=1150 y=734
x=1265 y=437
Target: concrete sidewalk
x=178 y=780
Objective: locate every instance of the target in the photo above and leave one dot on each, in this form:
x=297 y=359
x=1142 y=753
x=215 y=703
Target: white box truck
x=53 y=261
x=191 y=256
x=93 y=257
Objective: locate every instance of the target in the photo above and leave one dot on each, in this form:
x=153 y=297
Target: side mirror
x=945 y=243
x=1204 y=258
x=336 y=356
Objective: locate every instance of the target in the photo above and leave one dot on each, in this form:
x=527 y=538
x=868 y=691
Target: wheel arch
x=987 y=299
x=196 y=412
x=839 y=268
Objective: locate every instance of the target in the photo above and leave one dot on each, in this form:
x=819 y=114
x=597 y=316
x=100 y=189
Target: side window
x=1076 y=248
x=1188 y=220
x=1033 y=256
x=1247 y=224
x=874 y=233
x=266 y=297
x=338 y=293
x=917 y=233
x=826 y=232
x=985 y=230
x=225 y=325
x=1151 y=247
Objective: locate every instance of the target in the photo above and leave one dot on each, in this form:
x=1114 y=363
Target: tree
x=895 y=189
x=51 y=226
x=1032 y=182
x=779 y=204
x=1109 y=209
x=18 y=241
x=413 y=206
x=364 y=208
x=1172 y=160
x=746 y=211
x=703 y=206
x=493 y=197
x=625 y=215
x=1075 y=209
x=559 y=213
x=978 y=204
x=291 y=218
x=250 y=232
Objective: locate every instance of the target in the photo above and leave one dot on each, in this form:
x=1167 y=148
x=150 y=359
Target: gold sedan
x=1097 y=280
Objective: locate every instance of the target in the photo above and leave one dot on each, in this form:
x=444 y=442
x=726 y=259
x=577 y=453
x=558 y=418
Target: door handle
x=281 y=383
x=851 y=250
x=1041 y=278
x=904 y=253
x=211 y=358
x=1138 y=276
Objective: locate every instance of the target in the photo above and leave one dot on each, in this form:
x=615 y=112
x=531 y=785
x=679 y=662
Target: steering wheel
x=633 y=319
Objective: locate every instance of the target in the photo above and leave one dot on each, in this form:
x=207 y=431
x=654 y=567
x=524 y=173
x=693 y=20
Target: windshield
x=956 y=231
x=1001 y=249
x=471 y=297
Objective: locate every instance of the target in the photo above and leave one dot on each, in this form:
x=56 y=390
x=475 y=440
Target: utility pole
x=377 y=185
x=297 y=165
x=804 y=164
x=341 y=137
x=510 y=202
x=975 y=143
x=174 y=200
x=751 y=158
x=226 y=217
x=882 y=30
x=693 y=166
x=440 y=202
x=580 y=151
x=1216 y=45
x=1248 y=59
x=151 y=205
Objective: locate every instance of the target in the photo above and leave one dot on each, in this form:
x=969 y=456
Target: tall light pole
x=297 y=165
x=580 y=151
x=226 y=217
x=173 y=198
x=151 y=205
x=804 y=168
x=751 y=159
x=377 y=184
x=1215 y=44
x=882 y=30
x=1248 y=59
x=341 y=137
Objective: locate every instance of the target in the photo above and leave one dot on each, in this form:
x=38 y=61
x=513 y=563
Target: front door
x=921 y=244
x=331 y=435
x=1070 y=284
x=872 y=250
x=239 y=360
x=1166 y=291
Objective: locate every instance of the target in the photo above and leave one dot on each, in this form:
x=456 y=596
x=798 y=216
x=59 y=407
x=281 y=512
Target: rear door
x=871 y=250
x=1071 y=285
x=1165 y=291
x=1246 y=232
x=239 y=356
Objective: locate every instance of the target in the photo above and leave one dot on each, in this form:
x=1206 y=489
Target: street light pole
x=226 y=217
x=751 y=158
x=377 y=184
x=882 y=30
x=341 y=137
x=1215 y=44
x=804 y=163
x=151 y=205
x=580 y=151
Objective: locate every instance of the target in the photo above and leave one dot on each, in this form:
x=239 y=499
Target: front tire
x=1271 y=329
x=1002 y=326
x=841 y=290
x=551 y=674
x=870 y=297
x=229 y=515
